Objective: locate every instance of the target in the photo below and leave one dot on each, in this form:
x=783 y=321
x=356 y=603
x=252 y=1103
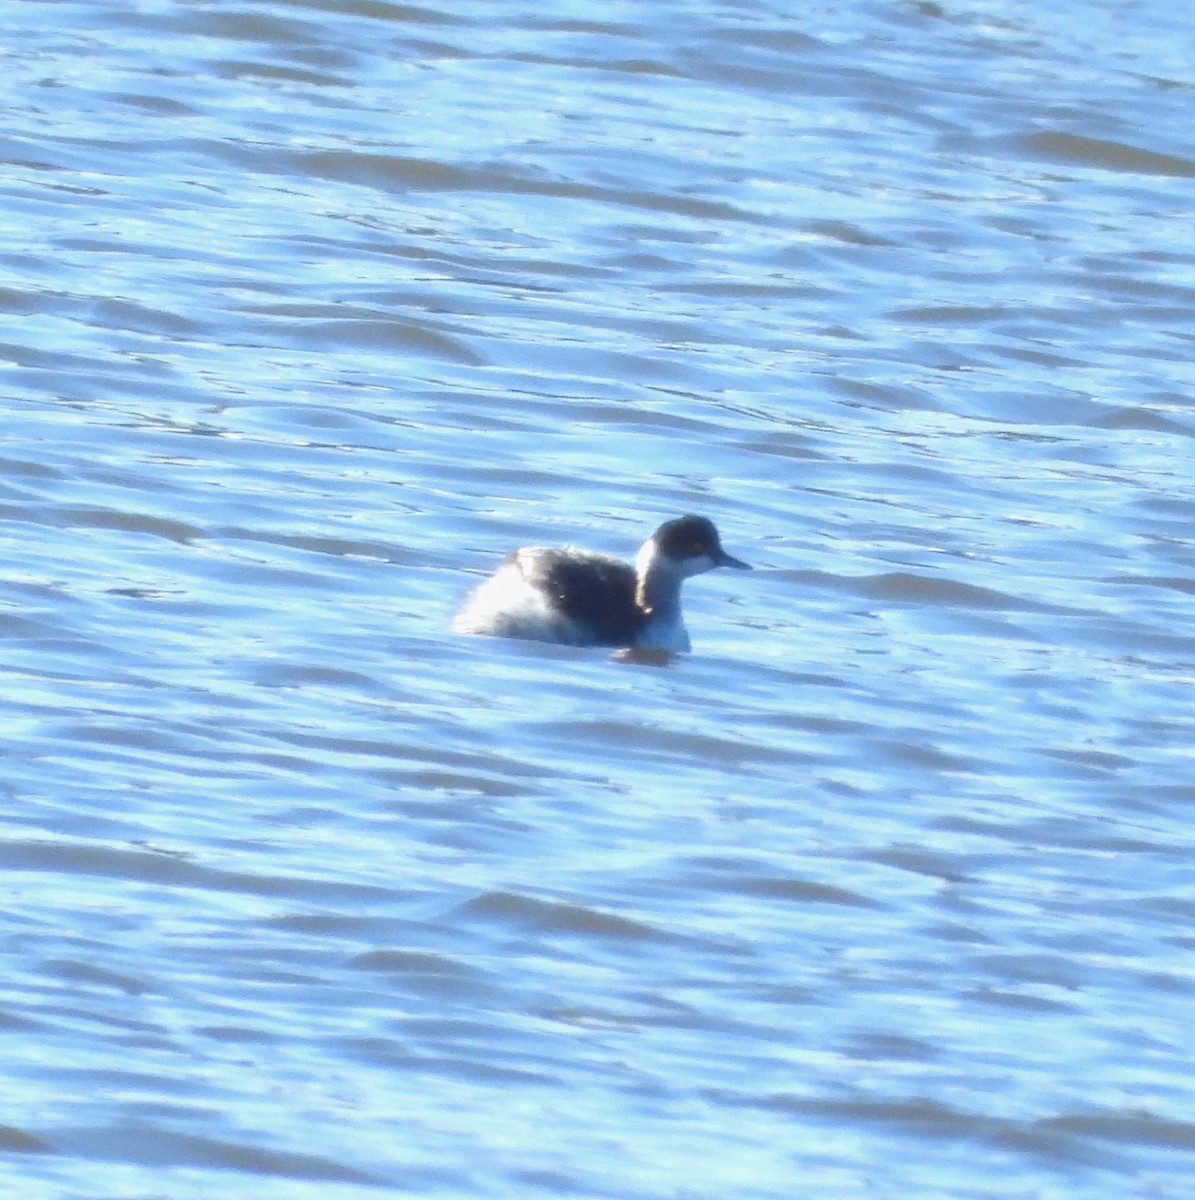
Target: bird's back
x=594 y=593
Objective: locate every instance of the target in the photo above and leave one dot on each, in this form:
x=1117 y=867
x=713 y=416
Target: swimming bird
x=578 y=598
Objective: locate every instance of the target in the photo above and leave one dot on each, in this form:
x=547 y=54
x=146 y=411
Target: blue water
x=309 y=312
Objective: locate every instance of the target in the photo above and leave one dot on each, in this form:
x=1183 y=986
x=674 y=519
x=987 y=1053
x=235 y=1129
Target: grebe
x=578 y=598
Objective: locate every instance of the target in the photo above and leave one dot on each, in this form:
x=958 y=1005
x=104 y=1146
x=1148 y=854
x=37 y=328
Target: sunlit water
x=314 y=309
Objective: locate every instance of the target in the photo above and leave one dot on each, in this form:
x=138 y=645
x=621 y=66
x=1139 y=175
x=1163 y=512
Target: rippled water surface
x=312 y=309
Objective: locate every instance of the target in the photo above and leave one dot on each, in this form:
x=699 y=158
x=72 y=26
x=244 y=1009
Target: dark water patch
x=656 y=741
x=625 y=66
x=139 y=866
x=237 y=1035
x=18 y=1141
x=802 y=891
x=383 y=10
x=435 y=785
x=1143 y=1128
x=934 y=1121
x=321 y=544
x=954 y=933
x=152 y=1145
x=876 y=1046
x=450 y=1064
x=236 y=69
x=81 y=517
x=1050 y=971
x=898 y=397
x=453 y=758
x=554 y=917
x=759 y=878
x=1144 y=419
x=98 y=977
x=1182 y=584
x=427 y=974
x=906 y=587
x=1106 y=154
x=379 y=331
x=1024 y=1001
x=951 y=314
x=925 y=757
x=391 y=172
x=850 y=234
x=951 y=868
x=412 y=962
x=288 y=675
